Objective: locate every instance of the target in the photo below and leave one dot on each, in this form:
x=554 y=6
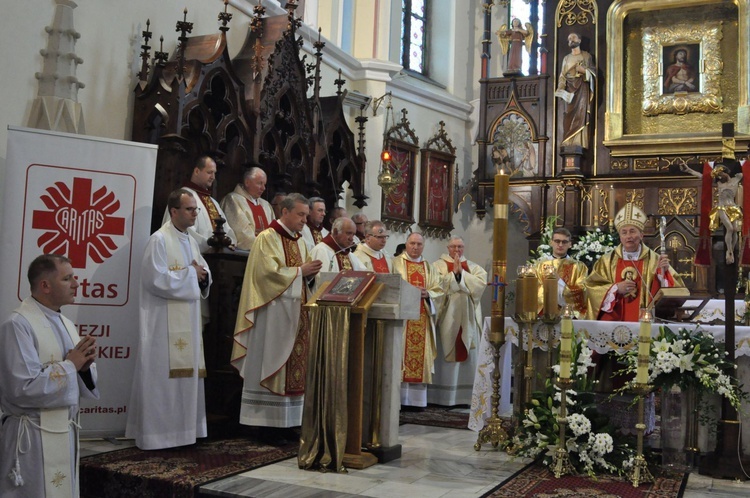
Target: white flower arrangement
x=593 y=245
x=590 y=246
x=688 y=359
x=592 y=444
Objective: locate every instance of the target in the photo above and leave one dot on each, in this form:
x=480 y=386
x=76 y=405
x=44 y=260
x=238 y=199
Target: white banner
x=89 y=199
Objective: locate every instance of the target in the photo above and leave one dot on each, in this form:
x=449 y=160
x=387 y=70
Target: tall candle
x=527 y=294
x=550 y=295
x=499 y=258
x=611 y=206
x=566 y=343
x=644 y=349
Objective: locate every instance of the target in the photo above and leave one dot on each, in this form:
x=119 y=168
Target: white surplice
x=460 y=309
x=366 y=254
x=27 y=386
x=203 y=229
x=166 y=412
x=323 y=253
x=240 y=217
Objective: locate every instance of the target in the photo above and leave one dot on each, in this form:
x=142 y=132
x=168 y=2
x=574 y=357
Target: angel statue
x=512 y=41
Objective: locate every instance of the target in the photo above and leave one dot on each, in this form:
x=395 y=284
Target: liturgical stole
x=54 y=425
x=259 y=216
x=416 y=330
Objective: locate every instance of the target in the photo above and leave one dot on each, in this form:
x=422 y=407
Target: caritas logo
x=79 y=222
x=88 y=217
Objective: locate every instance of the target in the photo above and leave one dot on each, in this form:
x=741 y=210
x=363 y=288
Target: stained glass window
x=414 y=35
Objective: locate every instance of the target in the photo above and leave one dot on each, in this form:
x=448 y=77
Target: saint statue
x=512 y=42
x=576 y=87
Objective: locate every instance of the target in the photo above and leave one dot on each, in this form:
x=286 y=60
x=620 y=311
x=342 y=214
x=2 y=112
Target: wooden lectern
x=374 y=368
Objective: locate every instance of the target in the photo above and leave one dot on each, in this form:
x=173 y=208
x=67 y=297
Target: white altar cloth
x=601 y=337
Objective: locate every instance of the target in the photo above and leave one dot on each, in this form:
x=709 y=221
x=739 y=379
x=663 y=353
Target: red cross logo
x=79 y=222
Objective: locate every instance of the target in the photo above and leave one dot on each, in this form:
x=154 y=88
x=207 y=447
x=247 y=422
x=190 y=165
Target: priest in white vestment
x=419 y=335
x=167 y=404
x=371 y=251
x=336 y=251
x=314 y=231
x=459 y=325
x=201 y=180
x=247 y=213
x=45 y=368
x=272 y=331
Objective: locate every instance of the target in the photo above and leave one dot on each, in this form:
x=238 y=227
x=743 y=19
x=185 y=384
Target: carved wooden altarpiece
x=253 y=108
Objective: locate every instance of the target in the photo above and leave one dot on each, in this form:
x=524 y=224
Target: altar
x=601 y=337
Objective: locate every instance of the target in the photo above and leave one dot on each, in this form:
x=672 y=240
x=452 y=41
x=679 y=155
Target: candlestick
x=566 y=342
x=549 y=285
x=493 y=431
x=527 y=293
x=644 y=347
x=611 y=206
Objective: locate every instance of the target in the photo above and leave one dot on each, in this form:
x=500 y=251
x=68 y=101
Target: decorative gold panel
x=635 y=76
x=703 y=92
x=678 y=201
x=573 y=12
x=618 y=164
x=635 y=196
x=651 y=163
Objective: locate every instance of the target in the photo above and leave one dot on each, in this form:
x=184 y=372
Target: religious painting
x=681 y=64
x=513 y=149
x=437 y=189
x=397 y=206
x=682 y=67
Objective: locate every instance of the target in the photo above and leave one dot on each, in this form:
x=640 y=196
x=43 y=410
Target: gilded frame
x=625 y=144
x=659 y=41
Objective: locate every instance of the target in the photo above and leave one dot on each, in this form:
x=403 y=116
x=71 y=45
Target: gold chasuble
x=574 y=274
x=271 y=269
x=613 y=268
x=205 y=197
x=419 y=335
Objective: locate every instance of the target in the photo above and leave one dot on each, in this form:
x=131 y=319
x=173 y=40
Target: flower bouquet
x=688 y=359
x=593 y=444
x=593 y=245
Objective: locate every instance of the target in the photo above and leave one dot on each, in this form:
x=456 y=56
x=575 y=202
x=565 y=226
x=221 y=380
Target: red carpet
x=536 y=480
x=174 y=473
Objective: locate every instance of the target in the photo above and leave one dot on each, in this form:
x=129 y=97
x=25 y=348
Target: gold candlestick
x=640 y=473
x=561 y=460
x=493 y=432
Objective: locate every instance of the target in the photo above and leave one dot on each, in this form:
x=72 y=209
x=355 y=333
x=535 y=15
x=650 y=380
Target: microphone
x=343 y=249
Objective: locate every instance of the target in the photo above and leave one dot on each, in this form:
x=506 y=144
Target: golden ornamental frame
x=708 y=99
x=624 y=143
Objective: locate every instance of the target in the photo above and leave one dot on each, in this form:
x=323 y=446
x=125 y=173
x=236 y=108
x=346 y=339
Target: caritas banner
x=89 y=199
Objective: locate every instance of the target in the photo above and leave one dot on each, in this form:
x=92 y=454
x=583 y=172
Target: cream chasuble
x=377 y=261
x=272 y=331
x=419 y=335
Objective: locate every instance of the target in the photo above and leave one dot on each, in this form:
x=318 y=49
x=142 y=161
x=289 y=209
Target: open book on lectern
x=670 y=297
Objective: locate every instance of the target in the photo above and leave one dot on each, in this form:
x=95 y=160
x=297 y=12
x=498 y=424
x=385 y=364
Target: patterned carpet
x=537 y=481
x=175 y=472
x=436 y=416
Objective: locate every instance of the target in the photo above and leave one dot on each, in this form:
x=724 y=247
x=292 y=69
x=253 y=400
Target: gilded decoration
x=676 y=201
x=572 y=12
x=635 y=196
x=651 y=163
x=682 y=68
x=641 y=115
x=618 y=164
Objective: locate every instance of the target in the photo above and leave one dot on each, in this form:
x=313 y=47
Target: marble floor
x=435 y=462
